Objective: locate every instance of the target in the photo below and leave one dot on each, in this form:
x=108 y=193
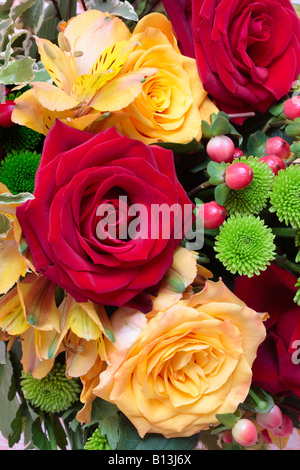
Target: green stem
x=49 y=425
x=260 y=403
x=58 y=14
x=284 y=232
x=288 y=265
x=291 y=159
x=204 y=185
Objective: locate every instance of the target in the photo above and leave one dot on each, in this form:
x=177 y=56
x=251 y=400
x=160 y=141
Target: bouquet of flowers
x=150 y=224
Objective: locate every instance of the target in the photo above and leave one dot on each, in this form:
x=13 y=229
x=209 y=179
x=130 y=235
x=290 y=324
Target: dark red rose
x=247 y=51
x=277 y=367
x=70 y=245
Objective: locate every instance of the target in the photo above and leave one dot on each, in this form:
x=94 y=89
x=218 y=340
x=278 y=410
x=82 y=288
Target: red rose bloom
x=275 y=368
x=78 y=174
x=246 y=51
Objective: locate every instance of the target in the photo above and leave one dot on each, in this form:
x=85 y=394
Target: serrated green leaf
x=130 y=440
x=33 y=16
x=17 y=72
x=221 y=193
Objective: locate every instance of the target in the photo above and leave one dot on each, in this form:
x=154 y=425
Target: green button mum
x=245 y=245
x=97 y=441
x=253 y=198
x=18 y=170
x=285 y=197
x=53 y=393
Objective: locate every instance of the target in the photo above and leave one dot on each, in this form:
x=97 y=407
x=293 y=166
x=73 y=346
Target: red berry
x=238 y=175
x=274 y=162
x=212 y=215
x=226 y=436
x=285 y=428
x=220 y=149
x=277 y=146
x=6 y=110
x=244 y=432
x=291 y=107
x=270 y=420
x=237 y=153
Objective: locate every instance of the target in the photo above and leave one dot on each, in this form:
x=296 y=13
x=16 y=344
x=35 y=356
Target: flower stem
x=287 y=264
x=260 y=403
x=58 y=14
x=83 y=5
x=284 y=232
x=204 y=185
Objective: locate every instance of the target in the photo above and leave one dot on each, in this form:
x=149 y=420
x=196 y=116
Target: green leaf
x=293 y=129
x=33 y=16
x=115 y=7
x=7 y=198
x=130 y=440
x=202 y=165
x=59 y=433
x=6 y=6
x=295 y=148
x=17 y=426
x=256 y=144
x=107 y=416
x=228 y=419
x=221 y=193
x=276 y=109
x=216 y=172
x=189 y=147
x=17 y=72
x=206 y=130
x=8 y=408
x=221 y=126
x=250 y=405
x=39 y=438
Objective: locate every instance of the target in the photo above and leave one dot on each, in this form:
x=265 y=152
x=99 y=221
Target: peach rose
x=185 y=364
x=173 y=102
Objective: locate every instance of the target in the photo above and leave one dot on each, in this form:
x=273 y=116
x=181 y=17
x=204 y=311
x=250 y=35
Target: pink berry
x=270 y=420
x=237 y=153
x=274 y=162
x=244 y=432
x=292 y=107
x=226 y=436
x=212 y=214
x=220 y=149
x=285 y=428
x=277 y=146
x=238 y=175
x=6 y=110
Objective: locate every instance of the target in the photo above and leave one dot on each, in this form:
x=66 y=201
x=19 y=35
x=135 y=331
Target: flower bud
x=244 y=432
x=238 y=175
x=274 y=162
x=292 y=108
x=237 y=153
x=212 y=215
x=220 y=149
x=6 y=110
x=270 y=420
x=277 y=146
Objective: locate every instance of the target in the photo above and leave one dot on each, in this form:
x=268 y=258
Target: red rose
x=247 y=51
x=68 y=239
x=277 y=367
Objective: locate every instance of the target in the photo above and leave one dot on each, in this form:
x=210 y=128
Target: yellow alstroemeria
x=85 y=68
x=13 y=264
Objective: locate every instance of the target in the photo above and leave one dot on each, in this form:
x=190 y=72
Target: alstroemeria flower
x=85 y=70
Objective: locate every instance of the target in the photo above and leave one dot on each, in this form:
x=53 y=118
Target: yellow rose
x=186 y=364
x=173 y=102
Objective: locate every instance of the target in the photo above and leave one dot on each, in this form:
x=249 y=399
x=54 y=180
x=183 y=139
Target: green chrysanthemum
x=297 y=296
x=253 y=198
x=53 y=393
x=18 y=138
x=285 y=197
x=245 y=245
x=97 y=441
x=18 y=170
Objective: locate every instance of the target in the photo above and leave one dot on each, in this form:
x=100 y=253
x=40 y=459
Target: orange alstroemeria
x=85 y=68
